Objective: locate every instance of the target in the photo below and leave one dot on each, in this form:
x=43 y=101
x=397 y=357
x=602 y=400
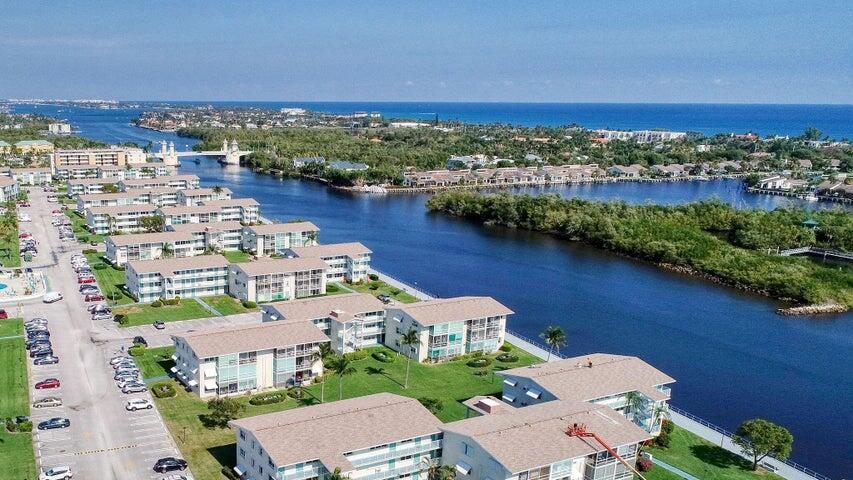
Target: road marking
x=103 y=450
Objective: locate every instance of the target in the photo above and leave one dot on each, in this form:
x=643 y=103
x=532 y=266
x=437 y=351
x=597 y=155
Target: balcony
x=384 y=455
x=314 y=471
x=408 y=470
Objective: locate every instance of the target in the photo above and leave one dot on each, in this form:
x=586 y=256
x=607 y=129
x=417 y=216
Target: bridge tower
x=170 y=158
x=232 y=153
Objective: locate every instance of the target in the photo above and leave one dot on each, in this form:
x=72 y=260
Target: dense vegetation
x=34 y=127
x=709 y=237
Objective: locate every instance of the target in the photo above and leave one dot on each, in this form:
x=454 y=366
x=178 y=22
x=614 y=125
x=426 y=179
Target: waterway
x=732 y=356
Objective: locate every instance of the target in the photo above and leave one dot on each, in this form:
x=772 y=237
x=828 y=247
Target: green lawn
x=702 y=459
x=208 y=450
x=16 y=450
x=78 y=224
x=109 y=278
x=11 y=326
x=227 y=305
x=145 y=314
x=10 y=249
x=156 y=362
x=237 y=257
x=378 y=287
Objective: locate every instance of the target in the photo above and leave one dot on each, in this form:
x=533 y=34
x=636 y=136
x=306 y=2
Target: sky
x=456 y=51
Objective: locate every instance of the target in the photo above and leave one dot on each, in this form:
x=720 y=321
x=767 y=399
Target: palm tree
x=342 y=366
x=555 y=338
x=323 y=354
x=408 y=339
x=337 y=475
x=634 y=402
x=436 y=471
x=217 y=189
x=167 y=251
x=660 y=412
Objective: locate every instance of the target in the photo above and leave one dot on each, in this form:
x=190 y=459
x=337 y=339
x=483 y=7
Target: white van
x=51 y=297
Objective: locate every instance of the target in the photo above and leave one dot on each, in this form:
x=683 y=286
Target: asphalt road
x=104 y=440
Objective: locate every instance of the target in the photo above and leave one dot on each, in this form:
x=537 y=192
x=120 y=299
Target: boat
x=811 y=197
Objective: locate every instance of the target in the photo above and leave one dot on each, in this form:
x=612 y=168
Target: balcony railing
x=305 y=473
x=408 y=470
x=385 y=455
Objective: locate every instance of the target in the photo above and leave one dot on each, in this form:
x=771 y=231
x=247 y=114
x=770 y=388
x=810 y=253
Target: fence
x=723 y=431
x=535 y=343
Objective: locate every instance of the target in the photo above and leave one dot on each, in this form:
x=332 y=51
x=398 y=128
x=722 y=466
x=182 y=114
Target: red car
x=93 y=298
x=49 y=383
x=86 y=280
x=57 y=211
x=3 y=314
x=25 y=235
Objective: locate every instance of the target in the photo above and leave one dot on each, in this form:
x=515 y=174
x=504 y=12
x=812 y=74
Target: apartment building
x=8 y=189
x=89 y=156
x=212 y=237
x=34 y=147
x=347 y=261
x=236 y=360
x=159 y=196
x=120 y=218
x=267 y=239
x=352 y=320
x=185 y=277
x=244 y=210
x=181 y=182
x=89 y=200
x=375 y=437
x=147 y=170
x=32 y=176
x=76 y=172
x=88 y=186
x=181 y=214
x=200 y=195
x=274 y=280
x=532 y=443
x=447 y=327
x=121 y=249
x=626 y=384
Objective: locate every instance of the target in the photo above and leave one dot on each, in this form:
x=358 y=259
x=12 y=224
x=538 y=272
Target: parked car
x=98 y=307
x=37 y=342
x=47 y=383
x=86 y=280
x=138 y=340
x=102 y=316
x=55 y=422
x=139 y=404
x=41 y=351
x=48 y=360
x=57 y=473
x=120 y=358
x=129 y=382
x=3 y=314
x=170 y=464
x=36 y=321
x=51 y=297
x=47 y=402
x=134 y=388
x=159 y=324
x=93 y=297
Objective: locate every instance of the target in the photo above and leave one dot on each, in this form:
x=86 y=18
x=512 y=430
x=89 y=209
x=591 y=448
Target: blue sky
x=613 y=51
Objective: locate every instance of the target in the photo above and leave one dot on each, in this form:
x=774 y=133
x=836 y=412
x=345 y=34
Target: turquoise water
x=3 y=286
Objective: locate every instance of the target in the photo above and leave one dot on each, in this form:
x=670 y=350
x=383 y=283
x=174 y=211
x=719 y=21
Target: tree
x=337 y=475
x=434 y=405
x=109 y=188
x=759 y=438
x=323 y=354
x=342 y=366
x=634 y=401
x=812 y=133
x=168 y=250
x=223 y=410
x=555 y=338
x=436 y=471
x=408 y=339
x=152 y=223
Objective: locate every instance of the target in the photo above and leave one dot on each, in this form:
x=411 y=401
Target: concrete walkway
x=207 y=307
x=402 y=286
x=681 y=473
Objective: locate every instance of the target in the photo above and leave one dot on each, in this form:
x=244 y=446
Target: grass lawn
x=16 y=449
x=109 y=278
x=11 y=326
x=335 y=289
x=208 y=449
x=703 y=459
x=237 y=257
x=145 y=314
x=10 y=250
x=227 y=305
x=155 y=362
x=382 y=288
x=78 y=224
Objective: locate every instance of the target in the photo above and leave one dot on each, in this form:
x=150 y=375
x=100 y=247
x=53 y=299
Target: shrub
x=157 y=303
x=250 y=304
x=357 y=355
x=374 y=286
x=507 y=358
x=506 y=347
x=11 y=426
x=171 y=301
x=121 y=318
x=373 y=277
x=332 y=288
x=383 y=356
x=296 y=392
x=268 y=398
x=662 y=440
x=89 y=251
x=396 y=291
x=114 y=295
x=25 y=426
x=644 y=464
x=434 y=405
x=229 y=473
x=482 y=372
x=667 y=426
x=137 y=350
x=163 y=390
x=99 y=266
x=479 y=362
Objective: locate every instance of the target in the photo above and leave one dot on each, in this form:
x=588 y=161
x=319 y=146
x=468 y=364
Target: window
x=466 y=449
x=242 y=453
x=242 y=435
x=272 y=465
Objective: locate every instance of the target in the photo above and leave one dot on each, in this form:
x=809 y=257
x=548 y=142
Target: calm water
x=733 y=357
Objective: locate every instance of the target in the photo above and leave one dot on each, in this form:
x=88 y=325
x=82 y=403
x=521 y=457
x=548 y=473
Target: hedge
x=137 y=350
x=157 y=303
x=506 y=347
x=163 y=390
x=507 y=358
x=357 y=355
x=382 y=356
x=268 y=398
x=250 y=304
x=479 y=362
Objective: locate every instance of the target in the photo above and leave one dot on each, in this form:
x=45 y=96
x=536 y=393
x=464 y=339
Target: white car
x=51 y=297
x=57 y=473
x=139 y=404
x=119 y=359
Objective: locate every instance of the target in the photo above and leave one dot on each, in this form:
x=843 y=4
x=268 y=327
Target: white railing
x=398 y=452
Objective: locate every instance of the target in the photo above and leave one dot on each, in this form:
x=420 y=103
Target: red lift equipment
x=579 y=430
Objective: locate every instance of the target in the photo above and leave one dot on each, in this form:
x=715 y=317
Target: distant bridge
x=818 y=252
x=229 y=155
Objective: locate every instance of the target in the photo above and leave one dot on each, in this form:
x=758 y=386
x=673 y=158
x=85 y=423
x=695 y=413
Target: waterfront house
x=32 y=176
x=119 y=218
x=300 y=162
x=352 y=320
x=672 y=170
x=212 y=237
x=447 y=327
x=231 y=360
x=625 y=171
x=35 y=147
x=8 y=189
x=626 y=384
x=181 y=182
x=185 y=277
x=199 y=195
x=347 y=261
x=271 y=280
x=348 y=166
x=268 y=239
x=533 y=443
x=121 y=249
x=375 y=437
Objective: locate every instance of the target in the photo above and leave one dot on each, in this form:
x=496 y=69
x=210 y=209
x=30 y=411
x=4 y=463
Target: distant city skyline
x=619 y=52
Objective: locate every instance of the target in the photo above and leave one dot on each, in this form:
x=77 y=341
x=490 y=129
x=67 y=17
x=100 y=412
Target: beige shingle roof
x=431 y=312
x=352 y=249
x=212 y=342
x=168 y=266
x=159 y=180
x=270 y=228
x=233 y=202
x=207 y=227
x=284 y=265
x=198 y=192
x=92 y=181
x=107 y=196
x=535 y=435
x=157 y=237
x=321 y=307
x=573 y=379
x=326 y=431
x=7 y=181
